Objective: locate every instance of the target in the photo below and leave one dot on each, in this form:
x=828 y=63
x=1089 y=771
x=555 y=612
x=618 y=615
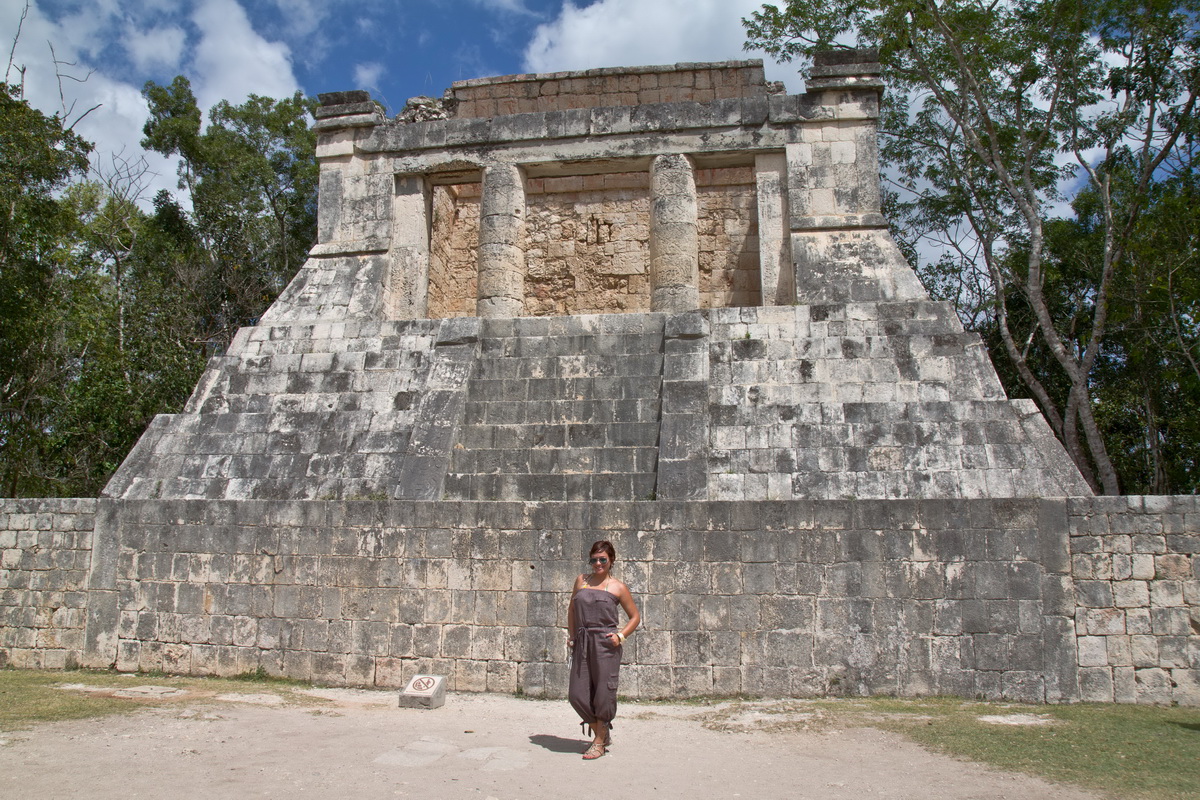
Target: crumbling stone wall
x=618 y=86
x=587 y=244
x=727 y=224
x=45 y=555
x=796 y=598
x=1136 y=563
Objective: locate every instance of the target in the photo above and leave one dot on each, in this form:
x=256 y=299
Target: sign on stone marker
x=424 y=691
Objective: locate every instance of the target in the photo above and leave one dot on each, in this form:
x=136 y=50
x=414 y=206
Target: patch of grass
x=28 y=697
x=1126 y=751
x=1119 y=751
x=1123 y=751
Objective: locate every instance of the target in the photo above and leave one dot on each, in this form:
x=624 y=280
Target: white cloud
x=232 y=61
x=366 y=76
x=229 y=61
x=626 y=33
x=507 y=6
x=116 y=125
x=156 y=49
x=303 y=17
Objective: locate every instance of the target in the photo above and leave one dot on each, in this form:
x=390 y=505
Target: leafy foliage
x=109 y=312
x=39 y=154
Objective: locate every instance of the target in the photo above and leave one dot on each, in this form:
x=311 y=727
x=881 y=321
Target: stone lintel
x=349 y=247
x=604 y=72
x=349 y=109
x=334 y=99
x=363 y=120
x=839 y=222
x=767 y=117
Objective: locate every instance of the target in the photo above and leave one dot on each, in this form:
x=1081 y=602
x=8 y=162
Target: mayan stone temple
x=656 y=305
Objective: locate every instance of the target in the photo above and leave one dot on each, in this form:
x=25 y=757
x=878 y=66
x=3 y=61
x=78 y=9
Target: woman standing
x=595 y=642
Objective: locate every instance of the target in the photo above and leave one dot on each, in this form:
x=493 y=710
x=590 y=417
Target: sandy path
x=477 y=746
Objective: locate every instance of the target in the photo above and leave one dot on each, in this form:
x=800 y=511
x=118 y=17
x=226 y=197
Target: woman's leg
x=579 y=689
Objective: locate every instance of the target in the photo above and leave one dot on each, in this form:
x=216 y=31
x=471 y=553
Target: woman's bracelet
x=621 y=636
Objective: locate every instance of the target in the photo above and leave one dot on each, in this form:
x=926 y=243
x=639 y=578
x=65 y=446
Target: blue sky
x=394 y=48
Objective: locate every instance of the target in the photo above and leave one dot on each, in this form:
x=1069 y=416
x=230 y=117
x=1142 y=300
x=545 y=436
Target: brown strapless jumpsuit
x=595 y=662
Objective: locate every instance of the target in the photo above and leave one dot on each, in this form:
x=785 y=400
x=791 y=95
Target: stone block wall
x=777 y=599
x=1136 y=563
x=613 y=86
x=586 y=243
x=1086 y=598
x=45 y=555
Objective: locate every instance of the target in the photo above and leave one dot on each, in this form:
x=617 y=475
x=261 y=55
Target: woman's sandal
x=586 y=729
x=595 y=751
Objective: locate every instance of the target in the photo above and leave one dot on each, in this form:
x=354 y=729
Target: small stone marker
x=424 y=691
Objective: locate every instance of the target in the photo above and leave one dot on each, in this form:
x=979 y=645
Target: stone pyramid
x=626 y=284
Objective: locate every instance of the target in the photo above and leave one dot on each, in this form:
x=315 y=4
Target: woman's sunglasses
x=598 y=560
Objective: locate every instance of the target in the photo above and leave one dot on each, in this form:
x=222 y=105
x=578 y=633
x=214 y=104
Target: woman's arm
x=631 y=610
x=571 y=613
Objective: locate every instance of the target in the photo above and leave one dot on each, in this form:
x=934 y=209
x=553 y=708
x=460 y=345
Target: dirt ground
x=359 y=744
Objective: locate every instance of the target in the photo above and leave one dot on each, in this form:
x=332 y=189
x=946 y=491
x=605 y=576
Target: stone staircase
x=562 y=408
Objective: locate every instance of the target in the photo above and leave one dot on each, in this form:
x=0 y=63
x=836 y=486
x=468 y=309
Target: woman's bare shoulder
x=618 y=587
x=579 y=583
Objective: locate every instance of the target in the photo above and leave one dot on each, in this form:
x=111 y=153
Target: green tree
x=1148 y=381
x=126 y=323
x=108 y=313
x=992 y=106
x=251 y=176
x=39 y=155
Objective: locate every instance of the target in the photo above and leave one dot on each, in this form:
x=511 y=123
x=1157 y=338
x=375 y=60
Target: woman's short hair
x=604 y=546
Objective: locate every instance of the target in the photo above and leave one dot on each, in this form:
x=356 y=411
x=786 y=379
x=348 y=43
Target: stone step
x=606 y=388
x=539 y=412
x=555 y=460
x=587 y=344
x=738 y=454
x=768 y=406
x=785 y=347
x=569 y=366
x=884 y=484
x=549 y=487
x=581 y=324
x=510 y=437
x=311 y=425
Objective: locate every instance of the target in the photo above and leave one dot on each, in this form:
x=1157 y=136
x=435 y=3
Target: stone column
x=774 y=243
x=408 y=274
x=674 y=241
x=501 y=242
